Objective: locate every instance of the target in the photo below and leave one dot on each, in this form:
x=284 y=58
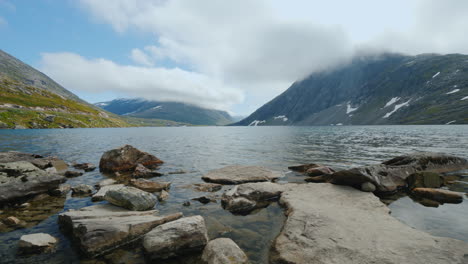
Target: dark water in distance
x=197 y=150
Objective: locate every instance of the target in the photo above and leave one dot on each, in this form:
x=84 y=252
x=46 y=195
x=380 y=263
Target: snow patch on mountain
x=257 y=122
x=392 y=101
x=281 y=117
x=453 y=91
x=350 y=109
x=435 y=75
x=398 y=106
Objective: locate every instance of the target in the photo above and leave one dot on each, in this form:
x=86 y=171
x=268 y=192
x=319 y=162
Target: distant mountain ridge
x=383 y=89
x=30 y=99
x=173 y=111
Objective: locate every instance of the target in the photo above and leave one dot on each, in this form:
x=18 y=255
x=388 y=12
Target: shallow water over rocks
x=196 y=150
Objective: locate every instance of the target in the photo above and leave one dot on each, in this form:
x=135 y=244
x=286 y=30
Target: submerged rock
x=62 y=190
x=240 y=174
x=126 y=158
x=21 y=179
x=223 y=251
x=244 y=198
x=102 y=228
x=82 y=189
x=150 y=186
x=338 y=224
x=131 y=198
x=177 y=238
x=438 y=195
x=163 y=196
x=392 y=174
x=36 y=243
x=85 y=166
x=207 y=187
x=72 y=174
x=425 y=180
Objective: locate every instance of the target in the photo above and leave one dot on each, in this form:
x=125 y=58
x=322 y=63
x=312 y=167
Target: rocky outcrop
x=177 y=238
x=438 y=195
x=223 y=251
x=126 y=158
x=36 y=243
x=37 y=160
x=101 y=228
x=246 y=197
x=338 y=224
x=131 y=198
x=237 y=174
x=22 y=179
x=99 y=195
x=393 y=174
x=150 y=186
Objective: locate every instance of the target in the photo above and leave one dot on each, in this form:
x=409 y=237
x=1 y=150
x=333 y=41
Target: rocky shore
x=333 y=217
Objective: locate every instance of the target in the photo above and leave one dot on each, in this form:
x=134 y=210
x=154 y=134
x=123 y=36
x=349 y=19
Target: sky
x=227 y=55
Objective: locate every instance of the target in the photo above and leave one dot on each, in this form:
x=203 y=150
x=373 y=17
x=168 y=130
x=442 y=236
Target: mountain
x=383 y=89
x=173 y=111
x=30 y=99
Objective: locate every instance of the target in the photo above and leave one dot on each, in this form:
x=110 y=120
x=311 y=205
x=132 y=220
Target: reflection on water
x=197 y=150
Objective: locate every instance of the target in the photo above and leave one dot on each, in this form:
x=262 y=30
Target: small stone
x=82 y=189
x=163 y=196
x=11 y=221
x=368 y=187
x=223 y=251
x=25 y=205
x=36 y=243
x=204 y=200
x=186 y=203
x=72 y=174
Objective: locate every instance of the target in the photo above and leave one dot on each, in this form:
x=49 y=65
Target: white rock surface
x=99 y=195
x=223 y=251
x=36 y=243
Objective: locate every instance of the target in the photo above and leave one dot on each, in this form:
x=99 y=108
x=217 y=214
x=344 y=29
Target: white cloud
x=262 y=46
x=100 y=75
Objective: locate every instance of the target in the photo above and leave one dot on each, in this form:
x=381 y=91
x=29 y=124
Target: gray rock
x=223 y=251
x=163 y=196
x=36 y=243
x=82 y=189
x=126 y=158
x=105 y=182
x=131 y=198
x=177 y=238
x=99 y=195
x=85 y=166
x=240 y=174
x=143 y=172
x=63 y=189
x=368 y=187
x=102 y=228
x=392 y=174
x=3 y=125
x=49 y=118
x=21 y=179
x=338 y=224
x=239 y=205
x=244 y=198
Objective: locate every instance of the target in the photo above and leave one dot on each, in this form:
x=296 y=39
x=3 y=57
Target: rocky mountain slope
x=384 y=89
x=173 y=111
x=30 y=99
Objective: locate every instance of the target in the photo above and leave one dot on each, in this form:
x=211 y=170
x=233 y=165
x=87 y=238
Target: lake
x=197 y=150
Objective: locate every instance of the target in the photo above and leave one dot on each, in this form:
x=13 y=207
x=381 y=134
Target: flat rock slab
x=223 y=251
x=177 y=238
x=36 y=243
x=101 y=228
x=338 y=224
x=20 y=179
x=237 y=174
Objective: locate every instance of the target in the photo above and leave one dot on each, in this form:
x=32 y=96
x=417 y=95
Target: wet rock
x=163 y=196
x=428 y=202
x=439 y=195
x=99 y=195
x=304 y=168
x=207 y=187
x=239 y=205
x=126 y=158
x=318 y=171
x=105 y=182
x=36 y=243
x=143 y=172
x=204 y=199
x=368 y=187
x=102 y=228
x=131 y=198
x=21 y=179
x=62 y=190
x=12 y=156
x=392 y=174
x=244 y=198
x=425 y=180
x=177 y=238
x=321 y=178
x=82 y=189
x=240 y=174
x=186 y=203
x=223 y=251
x=150 y=186
x=85 y=166
x=11 y=221
x=338 y=224
x=72 y=174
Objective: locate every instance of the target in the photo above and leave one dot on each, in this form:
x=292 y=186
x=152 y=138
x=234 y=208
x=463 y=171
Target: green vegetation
x=151 y=122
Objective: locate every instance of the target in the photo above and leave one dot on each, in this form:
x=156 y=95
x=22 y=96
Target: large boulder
x=338 y=224
x=131 y=198
x=102 y=228
x=36 y=243
x=223 y=251
x=21 y=179
x=177 y=238
x=126 y=158
x=392 y=174
x=237 y=174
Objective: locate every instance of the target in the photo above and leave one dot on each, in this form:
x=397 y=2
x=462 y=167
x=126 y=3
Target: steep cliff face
x=30 y=99
x=173 y=111
x=385 y=89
